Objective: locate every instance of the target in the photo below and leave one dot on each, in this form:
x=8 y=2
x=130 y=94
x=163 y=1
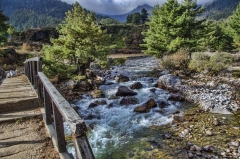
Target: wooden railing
x=58 y=110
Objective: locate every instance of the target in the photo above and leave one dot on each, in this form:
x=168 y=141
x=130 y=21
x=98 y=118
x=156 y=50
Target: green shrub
x=199 y=62
x=219 y=61
x=179 y=60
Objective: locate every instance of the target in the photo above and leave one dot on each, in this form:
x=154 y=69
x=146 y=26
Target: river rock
x=125 y=91
x=70 y=84
x=169 y=81
x=146 y=106
x=208 y=148
x=97 y=103
x=176 y=97
x=136 y=85
x=162 y=104
x=97 y=94
x=121 y=78
x=129 y=101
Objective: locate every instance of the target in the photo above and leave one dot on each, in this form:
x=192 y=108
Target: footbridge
x=32 y=95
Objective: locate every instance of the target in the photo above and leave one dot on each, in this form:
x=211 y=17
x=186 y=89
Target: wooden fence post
x=58 y=124
x=47 y=106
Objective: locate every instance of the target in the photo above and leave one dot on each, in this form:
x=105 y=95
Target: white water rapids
x=113 y=127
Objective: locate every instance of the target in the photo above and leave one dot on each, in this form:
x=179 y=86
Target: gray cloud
x=115 y=7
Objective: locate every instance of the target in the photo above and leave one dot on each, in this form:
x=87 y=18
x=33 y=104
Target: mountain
x=123 y=17
x=220 y=9
x=25 y=14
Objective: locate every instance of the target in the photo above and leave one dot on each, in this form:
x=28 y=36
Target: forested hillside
x=25 y=14
x=220 y=9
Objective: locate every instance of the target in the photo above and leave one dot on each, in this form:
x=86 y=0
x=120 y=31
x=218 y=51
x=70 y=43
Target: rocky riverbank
x=215 y=94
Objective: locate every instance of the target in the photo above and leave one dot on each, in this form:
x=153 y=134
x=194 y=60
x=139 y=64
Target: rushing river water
x=117 y=130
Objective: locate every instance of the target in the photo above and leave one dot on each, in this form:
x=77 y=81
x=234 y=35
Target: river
x=116 y=130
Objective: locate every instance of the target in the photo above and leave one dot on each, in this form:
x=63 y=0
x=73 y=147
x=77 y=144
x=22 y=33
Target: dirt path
x=25 y=139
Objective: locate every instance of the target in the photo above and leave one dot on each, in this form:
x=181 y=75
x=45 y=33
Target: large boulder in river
x=136 y=85
x=125 y=91
x=121 y=78
x=146 y=106
x=169 y=81
x=129 y=101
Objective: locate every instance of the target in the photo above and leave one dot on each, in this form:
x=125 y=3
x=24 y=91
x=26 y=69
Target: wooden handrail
x=58 y=110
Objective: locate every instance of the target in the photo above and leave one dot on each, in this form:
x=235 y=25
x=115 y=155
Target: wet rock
x=146 y=106
x=125 y=91
x=129 y=101
x=110 y=105
x=162 y=104
x=153 y=90
x=136 y=85
x=178 y=118
x=92 y=105
x=100 y=102
x=90 y=117
x=169 y=82
x=176 y=97
x=97 y=103
x=121 y=78
x=97 y=94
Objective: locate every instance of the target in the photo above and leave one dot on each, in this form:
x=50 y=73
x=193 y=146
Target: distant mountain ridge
x=220 y=9
x=123 y=17
x=25 y=14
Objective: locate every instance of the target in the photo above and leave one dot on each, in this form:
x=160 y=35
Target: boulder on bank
x=121 y=78
x=125 y=91
x=97 y=94
x=145 y=108
x=169 y=81
x=136 y=85
x=129 y=101
x=176 y=97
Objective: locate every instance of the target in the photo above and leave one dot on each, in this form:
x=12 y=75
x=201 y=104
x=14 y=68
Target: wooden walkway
x=22 y=130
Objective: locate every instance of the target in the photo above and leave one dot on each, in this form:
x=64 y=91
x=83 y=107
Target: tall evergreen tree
x=129 y=18
x=80 y=40
x=136 y=18
x=234 y=23
x=144 y=15
x=3 y=27
x=172 y=27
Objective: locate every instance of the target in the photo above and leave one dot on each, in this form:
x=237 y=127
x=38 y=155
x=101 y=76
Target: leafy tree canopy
x=80 y=40
x=234 y=24
x=173 y=27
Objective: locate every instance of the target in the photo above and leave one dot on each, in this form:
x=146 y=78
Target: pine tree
x=129 y=18
x=144 y=15
x=234 y=24
x=80 y=40
x=173 y=27
x=216 y=37
x=136 y=18
x=3 y=27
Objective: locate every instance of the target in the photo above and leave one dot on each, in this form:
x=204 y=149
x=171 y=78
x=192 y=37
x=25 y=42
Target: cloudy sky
x=115 y=7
